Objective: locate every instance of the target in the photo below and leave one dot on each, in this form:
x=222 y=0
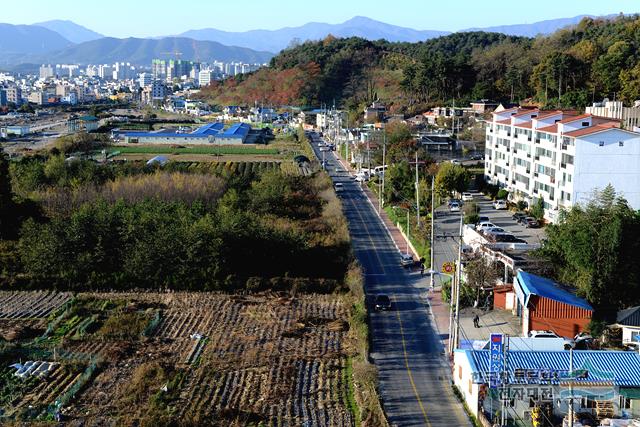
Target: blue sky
x=142 y=18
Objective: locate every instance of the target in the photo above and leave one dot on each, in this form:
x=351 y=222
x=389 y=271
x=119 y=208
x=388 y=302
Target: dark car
x=382 y=302
x=519 y=216
x=477 y=157
x=506 y=238
x=483 y=219
x=531 y=222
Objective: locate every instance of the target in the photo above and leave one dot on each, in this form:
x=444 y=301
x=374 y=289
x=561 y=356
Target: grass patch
x=349 y=395
x=418 y=239
x=222 y=150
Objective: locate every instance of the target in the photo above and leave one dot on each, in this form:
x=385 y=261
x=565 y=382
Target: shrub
x=472 y=219
x=521 y=205
x=502 y=194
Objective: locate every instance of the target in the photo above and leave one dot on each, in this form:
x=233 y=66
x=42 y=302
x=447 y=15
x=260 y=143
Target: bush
x=472 y=219
x=521 y=205
x=502 y=194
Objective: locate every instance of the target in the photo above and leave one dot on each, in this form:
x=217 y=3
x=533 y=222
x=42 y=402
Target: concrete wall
x=597 y=166
x=463 y=380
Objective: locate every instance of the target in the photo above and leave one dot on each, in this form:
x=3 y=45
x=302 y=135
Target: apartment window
x=620 y=143
x=601 y=143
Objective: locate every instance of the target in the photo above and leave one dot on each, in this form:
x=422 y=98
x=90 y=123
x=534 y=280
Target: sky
x=146 y=18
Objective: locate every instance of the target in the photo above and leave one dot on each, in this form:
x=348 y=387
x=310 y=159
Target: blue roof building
x=608 y=381
x=211 y=133
x=545 y=305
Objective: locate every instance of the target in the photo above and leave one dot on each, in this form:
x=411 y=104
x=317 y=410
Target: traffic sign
x=448 y=267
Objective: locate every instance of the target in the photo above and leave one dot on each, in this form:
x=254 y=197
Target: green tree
x=451 y=179
x=6 y=195
x=481 y=273
x=595 y=247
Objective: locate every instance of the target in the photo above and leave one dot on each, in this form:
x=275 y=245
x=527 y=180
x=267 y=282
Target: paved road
x=414 y=375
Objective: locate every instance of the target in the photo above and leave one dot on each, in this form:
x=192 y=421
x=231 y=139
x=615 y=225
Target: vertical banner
x=496 y=361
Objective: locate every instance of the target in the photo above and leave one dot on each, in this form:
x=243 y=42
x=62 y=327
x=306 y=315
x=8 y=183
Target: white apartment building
x=561 y=157
x=46 y=72
x=205 y=77
x=630 y=116
x=145 y=79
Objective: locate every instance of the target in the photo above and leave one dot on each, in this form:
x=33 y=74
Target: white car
x=467 y=197
x=338 y=187
x=494 y=230
x=455 y=161
x=406 y=260
x=485 y=225
x=500 y=204
x=454 y=207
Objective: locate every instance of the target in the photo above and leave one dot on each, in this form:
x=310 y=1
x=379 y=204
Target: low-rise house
x=629 y=321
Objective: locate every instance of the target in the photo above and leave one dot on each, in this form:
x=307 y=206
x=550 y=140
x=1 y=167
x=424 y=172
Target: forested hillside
x=597 y=58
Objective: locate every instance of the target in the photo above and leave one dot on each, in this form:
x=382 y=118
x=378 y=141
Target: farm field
x=215 y=150
x=204 y=358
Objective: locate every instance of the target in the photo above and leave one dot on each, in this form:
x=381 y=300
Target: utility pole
x=417 y=194
x=384 y=161
x=408 y=231
x=571 y=378
x=431 y=250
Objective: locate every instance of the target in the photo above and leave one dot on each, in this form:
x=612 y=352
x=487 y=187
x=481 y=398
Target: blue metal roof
x=164 y=135
x=238 y=130
x=543 y=287
x=622 y=368
x=209 y=129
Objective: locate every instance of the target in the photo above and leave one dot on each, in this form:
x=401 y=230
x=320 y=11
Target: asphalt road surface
x=415 y=382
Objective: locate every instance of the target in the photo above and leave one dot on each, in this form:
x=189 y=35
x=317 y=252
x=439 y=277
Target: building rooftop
x=629 y=316
x=238 y=130
x=593 y=129
x=547 y=288
x=209 y=129
x=621 y=368
x=550 y=129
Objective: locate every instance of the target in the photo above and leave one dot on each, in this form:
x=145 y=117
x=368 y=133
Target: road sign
x=496 y=361
x=448 y=267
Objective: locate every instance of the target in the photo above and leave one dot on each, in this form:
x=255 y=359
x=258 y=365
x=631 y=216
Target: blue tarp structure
x=530 y=284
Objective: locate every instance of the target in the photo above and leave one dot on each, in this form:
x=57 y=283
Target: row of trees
x=140 y=227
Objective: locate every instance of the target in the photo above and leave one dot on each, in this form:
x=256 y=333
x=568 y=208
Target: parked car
x=482 y=219
x=505 y=238
x=338 y=170
x=452 y=201
x=382 y=302
x=338 y=187
x=406 y=260
x=486 y=224
x=455 y=161
x=494 y=230
x=467 y=197
x=500 y=204
x=530 y=222
x=454 y=207
x=550 y=334
x=519 y=216
x=477 y=157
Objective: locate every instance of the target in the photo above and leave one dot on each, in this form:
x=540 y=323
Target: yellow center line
x=406 y=363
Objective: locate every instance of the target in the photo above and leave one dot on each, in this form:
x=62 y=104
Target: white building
x=145 y=79
x=630 y=116
x=105 y=71
x=205 y=77
x=560 y=157
x=46 y=72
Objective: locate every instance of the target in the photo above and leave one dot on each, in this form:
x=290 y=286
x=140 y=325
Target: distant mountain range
x=142 y=51
x=276 y=40
x=71 y=31
x=64 y=41
x=29 y=39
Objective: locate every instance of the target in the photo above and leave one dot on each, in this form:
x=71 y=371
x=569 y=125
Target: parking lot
x=502 y=218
